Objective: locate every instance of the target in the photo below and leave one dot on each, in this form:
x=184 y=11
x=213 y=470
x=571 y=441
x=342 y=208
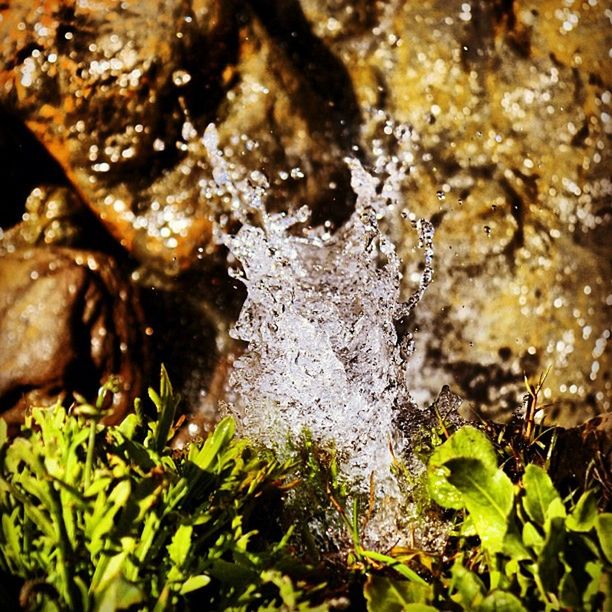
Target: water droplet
x=180 y=78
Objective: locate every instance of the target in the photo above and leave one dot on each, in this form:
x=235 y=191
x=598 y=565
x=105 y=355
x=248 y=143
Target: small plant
x=97 y=517
x=519 y=546
x=537 y=551
x=103 y=518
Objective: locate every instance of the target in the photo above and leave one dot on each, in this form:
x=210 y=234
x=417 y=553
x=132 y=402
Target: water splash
x=325 y=351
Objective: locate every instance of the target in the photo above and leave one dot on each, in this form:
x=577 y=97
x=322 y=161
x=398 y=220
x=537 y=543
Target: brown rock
x=68 y=321
x=51 y=217
x=99 y=84
x=120 y=90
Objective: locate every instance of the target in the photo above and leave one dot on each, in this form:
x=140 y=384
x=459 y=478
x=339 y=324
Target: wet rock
x=119 y=93
x=68 y=321
x=102 y=85
x=509 y=105
x=51 y=217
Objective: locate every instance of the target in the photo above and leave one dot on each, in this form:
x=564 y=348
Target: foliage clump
x=97 y=517
x=110 y=517
x=536 y=551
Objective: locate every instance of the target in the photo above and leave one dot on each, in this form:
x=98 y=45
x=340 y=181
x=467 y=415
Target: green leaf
x=467 y=442
x=603 y=527
x=387 y=595
x=222 y=434
x=233 y=574
x=488 y=497
x=118 y=595
x=513 y=543
x=594 y=569
x=583 y=516
x=539 y=493
x=193 y=583
x=398 y=566
x=468 y=586
x=569 y=594
x=129 y=425
x=178 y=549
x=3 y=432
x=467 y=528
x=12 y=533
x=166 y=404
x=531 y=537
x=108 y=570
x=550 y=568
x=501 y=601
x=463 y=473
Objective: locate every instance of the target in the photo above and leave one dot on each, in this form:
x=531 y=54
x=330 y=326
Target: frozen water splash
x=321 y=320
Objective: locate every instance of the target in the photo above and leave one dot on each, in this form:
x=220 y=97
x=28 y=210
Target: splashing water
x=320 y=321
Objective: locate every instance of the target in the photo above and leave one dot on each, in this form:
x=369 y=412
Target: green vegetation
x=100 y=518
x=97 y=517
x=535 y=550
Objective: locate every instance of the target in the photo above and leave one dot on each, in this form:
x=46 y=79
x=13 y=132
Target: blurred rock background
x=508 y=106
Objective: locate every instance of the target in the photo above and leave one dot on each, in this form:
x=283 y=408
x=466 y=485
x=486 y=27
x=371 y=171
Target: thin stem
x=90 y=453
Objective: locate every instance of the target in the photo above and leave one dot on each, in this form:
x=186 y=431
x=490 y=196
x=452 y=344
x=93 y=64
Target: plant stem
x=90 y=453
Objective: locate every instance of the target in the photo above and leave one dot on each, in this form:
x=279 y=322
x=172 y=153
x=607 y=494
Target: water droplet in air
x=180 y=78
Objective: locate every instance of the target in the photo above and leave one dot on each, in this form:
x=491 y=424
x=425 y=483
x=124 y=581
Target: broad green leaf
x=118 y=595
x=550 y=568
x=501 y=601
x=532 y=537
x=193 y=583
x=468 y=442
x=603 y=527
x=178 y=549
x=467 y=528
x=488 y=497
x=513 y=542
x=583 y=516
x=386 y=595
x=555 y=510
x=539 y=493
x=468 y=586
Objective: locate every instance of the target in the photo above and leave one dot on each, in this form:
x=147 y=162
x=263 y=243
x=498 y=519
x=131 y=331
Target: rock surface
x=118 y=92
x=68 y=321
x=509 y=106
x=509 y=103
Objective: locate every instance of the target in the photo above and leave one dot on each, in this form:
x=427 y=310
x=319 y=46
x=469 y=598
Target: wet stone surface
x=509 y=106
x=508 y=109
x=119 y=91
x=68 y=321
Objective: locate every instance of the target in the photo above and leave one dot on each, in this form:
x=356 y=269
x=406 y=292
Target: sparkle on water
x=323 y=353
